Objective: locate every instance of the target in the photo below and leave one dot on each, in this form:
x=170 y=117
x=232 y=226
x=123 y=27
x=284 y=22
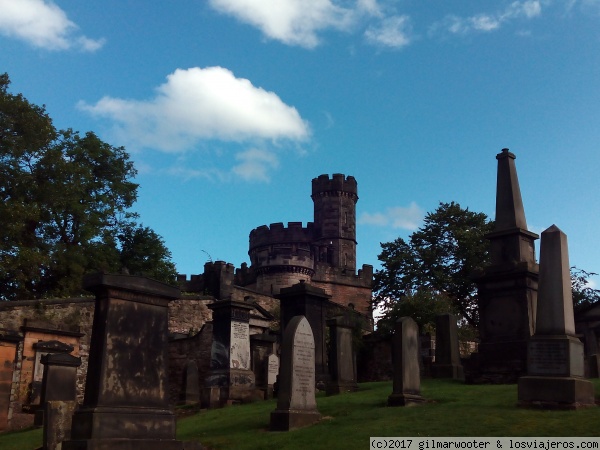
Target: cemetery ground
x=452 y=409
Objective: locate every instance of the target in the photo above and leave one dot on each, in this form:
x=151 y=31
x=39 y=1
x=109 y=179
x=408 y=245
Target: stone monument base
x=334 y=388
x=291 y=419
x=555 y=392
x=404 y=400
x=236 y=385
x=453 y=371
x=114 y=423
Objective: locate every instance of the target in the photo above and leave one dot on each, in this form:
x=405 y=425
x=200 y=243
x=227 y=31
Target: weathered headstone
x=126 y=393
x=262 y=345
x=296 y=403
x=59 y=382
x=405 y=360
x=272 y=373
x=507 y=288
x=447 y=355
x=342 y=360
x=303 y=299
x=58 y=415
x=555 y=356
x=43 y=348
x=191 y=384
x=230 y=354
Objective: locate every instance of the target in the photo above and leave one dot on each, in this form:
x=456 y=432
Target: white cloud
x=199 y=104
x=255 y=164
x=407 y=218
x=299 y=22
x=42 y=24
x=392 y=32
x=527 y=9
x=294 y=22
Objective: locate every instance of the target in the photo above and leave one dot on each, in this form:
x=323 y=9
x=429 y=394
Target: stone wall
x=196 y=348
x=188 y=323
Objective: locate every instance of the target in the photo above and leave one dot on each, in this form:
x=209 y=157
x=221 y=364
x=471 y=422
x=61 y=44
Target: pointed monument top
x=555 y=300
x=509 y=205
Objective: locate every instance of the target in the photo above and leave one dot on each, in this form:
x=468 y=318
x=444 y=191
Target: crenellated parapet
x=278 y=234
x=337 y=185
x=277 y=248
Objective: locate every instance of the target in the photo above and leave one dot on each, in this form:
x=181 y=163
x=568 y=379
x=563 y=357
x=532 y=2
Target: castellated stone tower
x=335 y=220
x=323 y=253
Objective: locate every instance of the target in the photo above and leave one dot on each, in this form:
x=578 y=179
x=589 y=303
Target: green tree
x=438 y=259
x=422 y=305
x=64 y=201
x=583 y=294
x=143 y=252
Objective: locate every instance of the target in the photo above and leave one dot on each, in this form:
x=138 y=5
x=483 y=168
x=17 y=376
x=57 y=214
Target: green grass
x=452 y=409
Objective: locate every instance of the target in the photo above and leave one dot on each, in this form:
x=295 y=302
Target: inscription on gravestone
x=303 y=382
x=296 y=404
x=272 y=369
x=548 y=358
x=240 y=345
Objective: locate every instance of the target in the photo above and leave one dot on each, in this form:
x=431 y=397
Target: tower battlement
x=277 y=233
x=338 y=184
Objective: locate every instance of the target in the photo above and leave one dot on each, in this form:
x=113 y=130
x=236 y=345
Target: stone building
x=322 y=254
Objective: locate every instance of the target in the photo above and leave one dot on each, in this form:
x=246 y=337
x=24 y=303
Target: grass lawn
x=452 y=409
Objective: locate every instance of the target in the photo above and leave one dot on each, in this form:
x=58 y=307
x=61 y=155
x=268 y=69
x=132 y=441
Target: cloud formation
x=408 y=218
x=44 y=25
x=455 y=25
x=392 y=32
x=294 y=22
x=201 y=104
x=299 y=22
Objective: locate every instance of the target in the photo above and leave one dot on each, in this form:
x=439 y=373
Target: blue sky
x=230 y=107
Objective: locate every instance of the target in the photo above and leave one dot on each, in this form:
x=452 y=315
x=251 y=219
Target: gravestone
x=555 y=367
x=58 y=415
x=262 y=345
x=126 y=392
x=303 y=299
x=43 y=348
x=507 y=288
x=447 y=355
x=272 y=373
x=296 y=403
x=191 y=384
x=405 y=360
x=59 y=382
x=342 y=360
x=230 y=369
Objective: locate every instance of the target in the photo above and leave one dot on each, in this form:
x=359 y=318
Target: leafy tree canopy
x=584 y=294
x=438 y=259
x=65 y=204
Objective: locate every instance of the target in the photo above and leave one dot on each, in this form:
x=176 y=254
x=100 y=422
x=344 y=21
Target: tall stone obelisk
x=507 y=287
x=555 y=356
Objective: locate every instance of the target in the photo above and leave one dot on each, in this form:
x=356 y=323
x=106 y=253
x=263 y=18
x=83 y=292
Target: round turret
x=281 y=256
x=335 y=219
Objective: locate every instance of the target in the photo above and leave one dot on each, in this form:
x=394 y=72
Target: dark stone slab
x=126 y=393
x=191 y=384
x=230 y=368
x=57 y=422
x=447 y=355
x=342 y=360
x=405 y=360
x=302 y=299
